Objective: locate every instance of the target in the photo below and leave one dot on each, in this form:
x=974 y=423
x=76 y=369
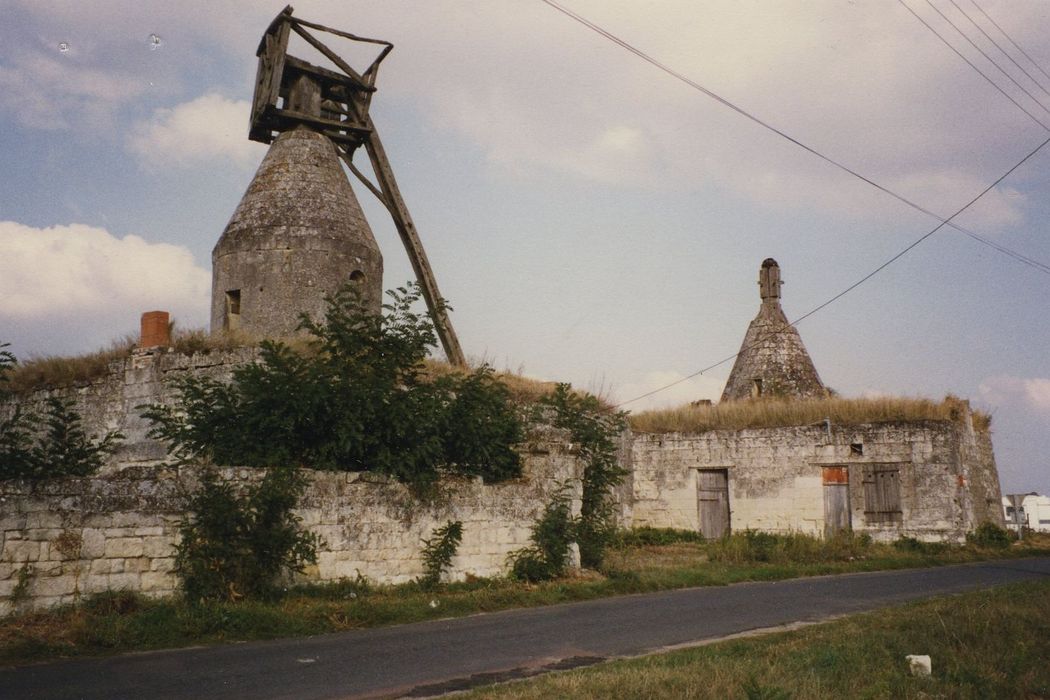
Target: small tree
x=595 y=430
x=234 y=545
x=357 y=401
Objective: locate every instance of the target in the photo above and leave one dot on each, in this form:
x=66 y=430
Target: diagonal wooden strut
x=389 y=194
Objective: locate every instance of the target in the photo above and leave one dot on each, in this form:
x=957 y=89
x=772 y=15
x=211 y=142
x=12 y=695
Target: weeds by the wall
x=236 y=545
x=552 y=536
x=594 y=432
x=765 y=547
x=438 y=552
x=990 y=536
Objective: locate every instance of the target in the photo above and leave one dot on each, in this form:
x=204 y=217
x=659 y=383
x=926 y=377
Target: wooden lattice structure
x=290 y=92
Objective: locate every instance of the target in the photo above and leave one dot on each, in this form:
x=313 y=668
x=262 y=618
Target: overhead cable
x=856 y=284
x=971 y=64
x=999 y=46
x=1020 y=257
x=1010 y=39
x=988 y=58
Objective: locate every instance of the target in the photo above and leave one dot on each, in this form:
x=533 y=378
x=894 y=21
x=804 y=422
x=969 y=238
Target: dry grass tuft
x=52 y=371
x=523 y=389
x=774 y=413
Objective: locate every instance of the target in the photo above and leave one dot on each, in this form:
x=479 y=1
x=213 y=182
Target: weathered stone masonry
x=945 y=477
x=119 y=528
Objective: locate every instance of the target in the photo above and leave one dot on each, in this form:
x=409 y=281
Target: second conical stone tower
x=772 y=361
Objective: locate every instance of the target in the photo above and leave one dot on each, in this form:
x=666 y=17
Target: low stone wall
x=948 y=483
x=117 y=531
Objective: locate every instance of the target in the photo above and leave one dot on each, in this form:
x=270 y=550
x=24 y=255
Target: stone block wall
x=117 y=531
x=948 y=483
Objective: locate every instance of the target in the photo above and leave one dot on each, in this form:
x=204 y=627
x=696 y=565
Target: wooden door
x=836 y=500
x=713 y=501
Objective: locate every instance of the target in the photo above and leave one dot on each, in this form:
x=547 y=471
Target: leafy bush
x=594 y=430
x=990 y=536
x=63 y=448
x=234 y=545
x=438 y=552
x=358 y=401
x=552 y=536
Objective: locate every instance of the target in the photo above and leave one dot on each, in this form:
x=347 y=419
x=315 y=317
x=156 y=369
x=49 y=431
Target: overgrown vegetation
x=594 y=432
x=763 y=547
x=552 y=536
x=237 y=545
x=50 y=445
x=438 y=552
x=984 y=644
x=55 y=372
x=772 y=413
x=358 y=401
x=990 y=535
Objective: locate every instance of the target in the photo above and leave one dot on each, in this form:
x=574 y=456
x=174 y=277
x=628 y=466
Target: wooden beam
x=414 y=247
x=354 y=76
x=348 y=159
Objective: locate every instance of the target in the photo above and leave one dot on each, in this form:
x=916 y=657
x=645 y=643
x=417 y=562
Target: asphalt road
x=429 y=657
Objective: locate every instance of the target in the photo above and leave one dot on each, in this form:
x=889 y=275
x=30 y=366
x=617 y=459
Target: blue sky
x=589 y=218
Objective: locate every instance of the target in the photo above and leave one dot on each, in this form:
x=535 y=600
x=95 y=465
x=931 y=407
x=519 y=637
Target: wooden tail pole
x=414 y=247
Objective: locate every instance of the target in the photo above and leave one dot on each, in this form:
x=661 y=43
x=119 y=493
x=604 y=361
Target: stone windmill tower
x=772 y=361
x=298 y=233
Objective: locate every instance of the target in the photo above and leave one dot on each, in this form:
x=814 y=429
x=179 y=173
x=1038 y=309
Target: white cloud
x=86 y=272
x=208 y=128
x=59 y=92
x=1031 y=392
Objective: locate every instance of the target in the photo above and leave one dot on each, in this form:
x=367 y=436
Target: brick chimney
x=155 y=330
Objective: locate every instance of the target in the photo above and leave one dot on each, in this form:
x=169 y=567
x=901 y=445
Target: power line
x=988 y=58
x=856 y=284
x=971 y=64
x=999 y=46
x=941 y=221
x=1010 y=39
x=744 y=113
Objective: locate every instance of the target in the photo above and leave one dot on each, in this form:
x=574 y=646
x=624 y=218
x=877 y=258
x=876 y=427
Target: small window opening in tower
x=357 y=277
x=856 y=449
x=233 y=310
x=756 y=388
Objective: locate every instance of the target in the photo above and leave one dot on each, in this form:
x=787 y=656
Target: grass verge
x=121 y=621
x=984 y=644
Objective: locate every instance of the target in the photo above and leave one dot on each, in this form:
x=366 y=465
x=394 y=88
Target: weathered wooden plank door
x=713 y=501
x=836 y=500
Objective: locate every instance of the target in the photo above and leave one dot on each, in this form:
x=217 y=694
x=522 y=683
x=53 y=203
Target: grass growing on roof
x=775 y=413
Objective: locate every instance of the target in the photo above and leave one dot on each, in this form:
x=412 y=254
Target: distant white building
x=1034 y=512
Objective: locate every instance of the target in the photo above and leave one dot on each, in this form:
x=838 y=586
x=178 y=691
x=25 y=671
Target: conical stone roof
x=772 y=360
x=297 y=235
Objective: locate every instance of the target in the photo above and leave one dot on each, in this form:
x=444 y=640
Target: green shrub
x=438 y=552
x=62 y=448
x=236 y=545
x=552 y=536
x=990 y=536
x=357 y=401
x=595 y=431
